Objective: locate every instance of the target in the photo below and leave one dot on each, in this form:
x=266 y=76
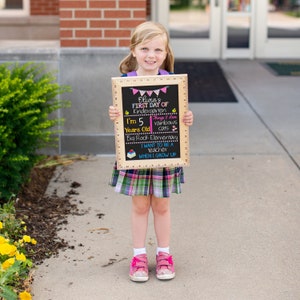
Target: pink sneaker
x=164 y=266
x=139 y=268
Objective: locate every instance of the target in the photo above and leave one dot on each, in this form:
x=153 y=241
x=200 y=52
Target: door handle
x=216 y=3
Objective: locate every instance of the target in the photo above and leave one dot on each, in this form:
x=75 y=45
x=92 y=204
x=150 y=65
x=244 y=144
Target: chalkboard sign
x=150 y=133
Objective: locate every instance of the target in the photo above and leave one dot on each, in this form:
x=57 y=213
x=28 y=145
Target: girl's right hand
x=113 y=113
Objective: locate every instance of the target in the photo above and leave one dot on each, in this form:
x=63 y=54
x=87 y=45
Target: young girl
x=150 y=54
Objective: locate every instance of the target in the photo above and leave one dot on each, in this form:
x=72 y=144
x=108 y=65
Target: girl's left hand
x=113 y=113
x=188 y=118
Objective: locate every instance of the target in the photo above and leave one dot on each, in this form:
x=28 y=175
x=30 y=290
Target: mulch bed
x=44 y=214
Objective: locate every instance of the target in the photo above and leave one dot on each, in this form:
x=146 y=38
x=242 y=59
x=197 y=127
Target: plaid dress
x=143 y=182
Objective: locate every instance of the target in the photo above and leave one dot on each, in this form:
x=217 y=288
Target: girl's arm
x=113 y=113
x=188 y=118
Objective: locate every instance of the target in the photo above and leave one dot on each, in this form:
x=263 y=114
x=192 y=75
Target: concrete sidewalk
x=235 y=227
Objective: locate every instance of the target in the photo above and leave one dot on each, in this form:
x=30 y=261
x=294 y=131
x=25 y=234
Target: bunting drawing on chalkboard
x=149 y=92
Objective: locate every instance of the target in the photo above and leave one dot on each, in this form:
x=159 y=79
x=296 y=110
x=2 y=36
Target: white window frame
x=16 y=12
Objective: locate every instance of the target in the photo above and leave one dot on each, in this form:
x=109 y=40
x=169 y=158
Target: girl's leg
x=162 y=220
x=139 y=220
x=162 y=223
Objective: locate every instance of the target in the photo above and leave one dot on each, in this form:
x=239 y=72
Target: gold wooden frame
x=177 y=83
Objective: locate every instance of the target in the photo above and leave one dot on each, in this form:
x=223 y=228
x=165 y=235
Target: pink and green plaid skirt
x=143 y=182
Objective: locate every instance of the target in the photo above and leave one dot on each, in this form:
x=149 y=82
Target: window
x=13 y=8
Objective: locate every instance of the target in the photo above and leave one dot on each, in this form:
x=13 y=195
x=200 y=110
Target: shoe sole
x=139 y=279
x=165 y=276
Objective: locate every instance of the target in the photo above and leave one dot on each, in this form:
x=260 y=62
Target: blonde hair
x=143 y=33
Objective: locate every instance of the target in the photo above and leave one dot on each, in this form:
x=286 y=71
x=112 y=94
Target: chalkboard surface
x=149 y=132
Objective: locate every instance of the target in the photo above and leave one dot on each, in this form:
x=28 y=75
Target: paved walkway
x=236 y=227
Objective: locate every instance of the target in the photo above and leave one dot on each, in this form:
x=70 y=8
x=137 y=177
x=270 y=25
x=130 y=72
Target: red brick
x=116 y=14
x=73 y=4
x=103 y=24
x=73 y=24
x=124 y=43
x=139 y=14
x=87 y=14
x=44 y=7
x=92 y=23
x=66 y=14
x=117 y=33
x=73 y=43
x=129 y=23
x=103 y=43
x=87 y=33
x=66 y=33
x=103 y=4
x=132 y=4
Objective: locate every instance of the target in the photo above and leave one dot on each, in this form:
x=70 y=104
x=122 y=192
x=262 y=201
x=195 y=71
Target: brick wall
x=99 y=23
x=44 y=7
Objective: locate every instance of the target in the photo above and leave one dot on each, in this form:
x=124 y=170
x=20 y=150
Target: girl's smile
x=150 y=56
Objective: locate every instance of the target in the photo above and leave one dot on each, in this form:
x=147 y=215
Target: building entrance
x=231 y=28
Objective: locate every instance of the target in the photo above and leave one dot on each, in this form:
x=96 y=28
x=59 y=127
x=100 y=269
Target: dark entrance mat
x=207 y=82
x=284 y=68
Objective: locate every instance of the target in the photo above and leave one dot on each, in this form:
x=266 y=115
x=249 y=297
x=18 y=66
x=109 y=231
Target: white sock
x=166 y=250
x=138 y=251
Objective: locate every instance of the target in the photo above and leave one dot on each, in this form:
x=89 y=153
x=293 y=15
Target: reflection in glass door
x=204 y=29
x=189 y=19
x=209 y=29
x=284 y=19
x=194 y=26
x=238 y=29
x=278 y=29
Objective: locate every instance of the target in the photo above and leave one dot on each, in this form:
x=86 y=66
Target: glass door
x=194 y=26
x=238 y=29
x=209 y=29
x=278 y=29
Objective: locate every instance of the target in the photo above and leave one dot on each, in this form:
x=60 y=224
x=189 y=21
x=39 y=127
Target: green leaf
x=8 y=293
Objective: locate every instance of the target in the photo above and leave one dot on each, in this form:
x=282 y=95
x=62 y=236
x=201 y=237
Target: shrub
x=28 y=97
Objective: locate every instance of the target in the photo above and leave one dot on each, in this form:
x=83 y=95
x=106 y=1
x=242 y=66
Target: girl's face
x=150 y=56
